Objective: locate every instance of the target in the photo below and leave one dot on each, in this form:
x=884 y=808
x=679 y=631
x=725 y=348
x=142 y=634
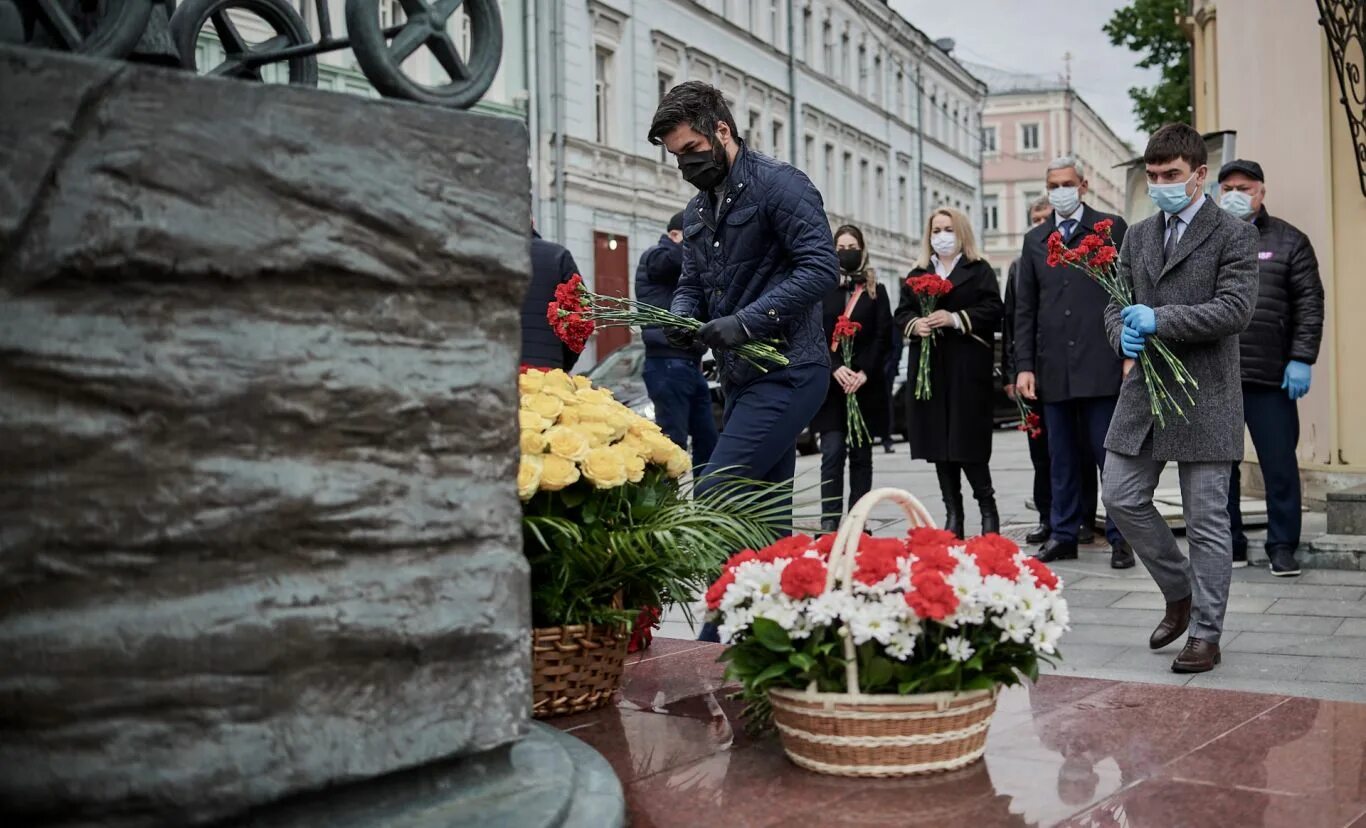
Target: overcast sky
x=1032 y=36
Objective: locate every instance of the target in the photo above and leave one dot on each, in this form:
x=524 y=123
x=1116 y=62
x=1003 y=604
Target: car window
x=622 y=364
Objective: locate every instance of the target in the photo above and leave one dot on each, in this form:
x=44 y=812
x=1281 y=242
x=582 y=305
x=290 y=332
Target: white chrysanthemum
x=761 y=581
x=965 y=581
x=970 y=614
x=998 y=593
x=901 y=645
x=958 y=648
x=1045 y=638
x=1058 y=612
x=1014 y=627
x=872 y=621
x=828 y=608
x=1033 y=602
x=780 y=612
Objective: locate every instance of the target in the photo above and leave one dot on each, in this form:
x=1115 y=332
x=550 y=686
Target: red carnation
x=717 y=591
x=877 y=559
x=803 y=578
x=995 y=555
x=1092 y=242
x=933 y=559
x=926 y=536
x=1031 y=425
x=790 y=547
x=826 y=543
x=1104 y=256
x=740 y=557
x=930 y=597
x=1104 y=225
x=1042 y=574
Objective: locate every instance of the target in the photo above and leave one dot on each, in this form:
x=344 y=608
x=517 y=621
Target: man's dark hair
x=1175 y=141
x=697 y=104
x=675 y=223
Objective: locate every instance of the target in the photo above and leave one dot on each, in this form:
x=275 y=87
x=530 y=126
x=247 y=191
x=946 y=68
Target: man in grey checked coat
x=1193 y=268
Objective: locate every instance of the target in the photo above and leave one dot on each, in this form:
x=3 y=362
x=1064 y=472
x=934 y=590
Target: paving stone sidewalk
x=1302 y=636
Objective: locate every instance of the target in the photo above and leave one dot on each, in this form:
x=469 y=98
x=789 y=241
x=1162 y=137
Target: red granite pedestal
x=1066 y=751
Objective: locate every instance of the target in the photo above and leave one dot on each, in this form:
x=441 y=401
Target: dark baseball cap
x=1251 y=169
x=676 y=223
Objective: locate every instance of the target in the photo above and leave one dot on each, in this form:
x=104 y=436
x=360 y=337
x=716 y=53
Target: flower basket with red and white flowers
x=883 y=656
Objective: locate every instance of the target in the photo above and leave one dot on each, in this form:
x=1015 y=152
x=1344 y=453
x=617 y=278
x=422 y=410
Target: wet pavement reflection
x=1066 y=751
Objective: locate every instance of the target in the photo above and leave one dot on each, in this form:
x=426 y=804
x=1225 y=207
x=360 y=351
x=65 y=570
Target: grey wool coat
x=1203 y=299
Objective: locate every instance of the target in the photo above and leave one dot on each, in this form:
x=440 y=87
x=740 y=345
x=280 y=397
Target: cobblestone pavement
x=1302 y=636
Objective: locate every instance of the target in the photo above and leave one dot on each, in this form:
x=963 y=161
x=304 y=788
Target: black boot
x=991 y=519
x=951 y=487
x=979 y=477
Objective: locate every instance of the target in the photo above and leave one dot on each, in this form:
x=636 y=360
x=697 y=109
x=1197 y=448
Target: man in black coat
x=551 y=265
x=1063 y=357
x=1277 y=352
x=673 y=375
x=1039 y=212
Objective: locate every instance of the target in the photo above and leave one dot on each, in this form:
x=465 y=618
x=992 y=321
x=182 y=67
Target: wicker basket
x=854 y=734
x=575 y=668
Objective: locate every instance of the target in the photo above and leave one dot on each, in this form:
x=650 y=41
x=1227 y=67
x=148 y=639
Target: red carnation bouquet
x=927 y=288
x=577 y=312
x=1030 y=422
x=843 y=340
x=1097 y=257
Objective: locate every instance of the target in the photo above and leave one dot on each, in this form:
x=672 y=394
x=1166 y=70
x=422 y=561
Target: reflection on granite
x=1066 y=751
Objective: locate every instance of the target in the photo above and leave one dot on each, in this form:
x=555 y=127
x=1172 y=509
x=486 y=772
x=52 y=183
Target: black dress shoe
x=1086 y=535
x=889 y=448
x=1121 y=556
x=1041 y=533
x=1198 y=656
x=1173 y=625
x=1056 y=550
x=1283 y=563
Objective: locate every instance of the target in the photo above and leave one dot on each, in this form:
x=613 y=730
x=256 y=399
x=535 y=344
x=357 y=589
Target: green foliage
x=770 y=658
x=652 y=542
x=1149 y=27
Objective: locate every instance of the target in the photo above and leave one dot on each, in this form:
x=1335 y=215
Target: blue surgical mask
x=1171 y=198
x=1064 y=199
x=1237 y=203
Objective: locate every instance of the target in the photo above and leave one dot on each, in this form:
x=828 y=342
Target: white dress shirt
x=1076 y=216
x=944 y=272
x=1184 y=219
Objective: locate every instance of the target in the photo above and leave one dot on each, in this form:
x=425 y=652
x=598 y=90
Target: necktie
x=1067 y=228
x=1170 y=247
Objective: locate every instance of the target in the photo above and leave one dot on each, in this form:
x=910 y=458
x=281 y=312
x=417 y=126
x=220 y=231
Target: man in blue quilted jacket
x=758 y=260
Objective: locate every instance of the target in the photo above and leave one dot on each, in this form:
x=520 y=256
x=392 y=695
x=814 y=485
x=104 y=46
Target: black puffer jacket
x=1288 y=322
x=551 y=264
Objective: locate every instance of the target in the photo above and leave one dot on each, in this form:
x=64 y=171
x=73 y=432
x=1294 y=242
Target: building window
x=844 y=60
x=391 y=13
x=879 y=198
x=847 y=184
x=753 y=136
x=1030 y=196
x=900 y=95
x=829 y=182
x=934 y=113
x=991 y=219
x=602 y=93
x=903 y=195
x=862 y=70
x=828 y=44
x=774 y=18
x=664 y=81
x=810 y=157
x=1029 y=137
x=776 y=130
x=877 y=79
x=989 y=140
x=808 y=37
x=865 y=192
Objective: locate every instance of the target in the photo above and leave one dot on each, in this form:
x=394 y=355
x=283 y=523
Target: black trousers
x=1043 y=479
x=835 y=449
x=950 y=482
x=1274 y=422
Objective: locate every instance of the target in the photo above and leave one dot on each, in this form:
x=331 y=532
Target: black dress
x=955 y=424
x=870 y=356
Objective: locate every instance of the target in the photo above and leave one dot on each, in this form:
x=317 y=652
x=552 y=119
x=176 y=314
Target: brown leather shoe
x=1198 y=656
x=1174 y=624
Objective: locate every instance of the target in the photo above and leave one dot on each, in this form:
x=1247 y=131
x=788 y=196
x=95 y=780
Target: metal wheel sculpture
x=291 y=43
x=99 y=28
x=380 y=50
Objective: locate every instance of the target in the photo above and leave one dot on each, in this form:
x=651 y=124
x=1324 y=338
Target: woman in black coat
x=858 y=295
x=953 y=428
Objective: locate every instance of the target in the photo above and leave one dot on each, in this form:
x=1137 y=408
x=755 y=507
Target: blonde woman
x=952 y=429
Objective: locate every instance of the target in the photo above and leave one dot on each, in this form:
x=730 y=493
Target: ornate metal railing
x=1344 y=25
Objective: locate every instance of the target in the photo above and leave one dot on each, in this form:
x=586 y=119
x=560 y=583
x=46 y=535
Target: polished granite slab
x=1066 y=751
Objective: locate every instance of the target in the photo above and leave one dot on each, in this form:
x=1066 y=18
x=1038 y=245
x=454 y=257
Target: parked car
x=623 y=372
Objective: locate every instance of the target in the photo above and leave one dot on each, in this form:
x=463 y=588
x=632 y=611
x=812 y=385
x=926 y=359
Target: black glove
x=681 y=338
x=726 y=332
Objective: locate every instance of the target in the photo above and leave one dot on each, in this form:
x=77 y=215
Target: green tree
x=1149 y=27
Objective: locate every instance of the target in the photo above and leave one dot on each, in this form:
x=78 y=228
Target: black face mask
x=850 y=260
x=703 y=169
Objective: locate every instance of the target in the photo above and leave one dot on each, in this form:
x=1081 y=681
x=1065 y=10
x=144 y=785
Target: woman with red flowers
x=953 y=427
x=858 y=298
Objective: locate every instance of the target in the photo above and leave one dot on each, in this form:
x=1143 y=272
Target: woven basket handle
x=845 y=551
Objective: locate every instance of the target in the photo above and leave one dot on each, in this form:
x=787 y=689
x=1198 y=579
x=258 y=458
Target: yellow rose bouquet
x=610 y=522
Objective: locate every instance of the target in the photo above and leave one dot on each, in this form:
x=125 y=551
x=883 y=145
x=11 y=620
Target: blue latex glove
x=1141 y=318
x=1131 y=342
x=1297 y=379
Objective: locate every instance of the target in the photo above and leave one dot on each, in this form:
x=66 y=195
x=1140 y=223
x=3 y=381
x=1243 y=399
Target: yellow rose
x=598 y=396
x=530 y=420
x=597 y=434
x=634 y=445
x=572 y=415
x=641 y=427
x=604 y=468
x=533 y=442
x=581 y=382
x=634 y=463
x=559 y=384
x=531 y=381
x=545 y=405
x=567 y=442
x=528 y=476
x=557 y=473
x=661 y=448
x=679 y=464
